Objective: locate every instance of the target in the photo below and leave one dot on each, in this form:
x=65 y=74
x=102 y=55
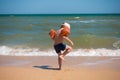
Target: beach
x=27 y=53
x=45 y=68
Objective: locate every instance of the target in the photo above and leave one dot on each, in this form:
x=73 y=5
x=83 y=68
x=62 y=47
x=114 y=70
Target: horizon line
x=64 y=14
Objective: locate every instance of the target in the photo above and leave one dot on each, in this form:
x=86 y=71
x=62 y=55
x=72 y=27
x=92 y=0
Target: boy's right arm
x=67 y=39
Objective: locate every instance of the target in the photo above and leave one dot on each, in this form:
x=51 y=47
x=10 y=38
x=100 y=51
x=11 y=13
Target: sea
x=27 y=34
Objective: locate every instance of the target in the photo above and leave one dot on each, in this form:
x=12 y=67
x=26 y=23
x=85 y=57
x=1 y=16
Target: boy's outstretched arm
x=68 y=40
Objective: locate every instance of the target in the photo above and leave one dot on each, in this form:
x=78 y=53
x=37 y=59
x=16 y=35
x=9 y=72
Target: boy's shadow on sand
x=46 y=67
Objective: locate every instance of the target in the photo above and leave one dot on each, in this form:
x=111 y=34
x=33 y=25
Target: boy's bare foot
x=61 y=57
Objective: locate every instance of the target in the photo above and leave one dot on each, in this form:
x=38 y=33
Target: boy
x=59 y=46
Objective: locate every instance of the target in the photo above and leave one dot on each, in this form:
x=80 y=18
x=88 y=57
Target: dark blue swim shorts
x=59 y=47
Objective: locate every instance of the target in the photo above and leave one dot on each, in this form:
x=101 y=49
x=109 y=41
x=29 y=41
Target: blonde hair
x=65 y=24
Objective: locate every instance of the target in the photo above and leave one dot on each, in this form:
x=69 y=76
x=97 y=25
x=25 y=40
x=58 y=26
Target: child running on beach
x=58 y=43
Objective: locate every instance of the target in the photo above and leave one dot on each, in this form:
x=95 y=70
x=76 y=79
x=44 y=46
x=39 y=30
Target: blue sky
x=58 y=6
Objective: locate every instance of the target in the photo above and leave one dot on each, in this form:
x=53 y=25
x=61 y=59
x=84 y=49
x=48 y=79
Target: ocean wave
x=88 y=21
x=8 y=51
x=76 y=17
x=117 y=44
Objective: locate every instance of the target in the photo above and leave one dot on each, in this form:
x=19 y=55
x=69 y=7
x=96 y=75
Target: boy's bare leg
x=67 y=50
x=62 y=57
x=59 y=61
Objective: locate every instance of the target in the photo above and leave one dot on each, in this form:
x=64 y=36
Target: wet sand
x=46 y=68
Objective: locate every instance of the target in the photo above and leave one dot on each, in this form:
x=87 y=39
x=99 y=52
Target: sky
x=58 y=6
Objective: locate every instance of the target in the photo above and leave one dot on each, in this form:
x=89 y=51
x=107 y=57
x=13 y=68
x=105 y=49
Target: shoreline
x=71 y=61
x=45 y=68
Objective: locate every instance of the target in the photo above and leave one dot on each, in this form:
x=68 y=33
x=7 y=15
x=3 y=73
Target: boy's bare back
x=58 y=39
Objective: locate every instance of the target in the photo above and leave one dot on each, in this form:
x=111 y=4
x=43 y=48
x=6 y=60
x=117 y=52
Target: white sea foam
x=77 y=17
x=87 y=21
x=116 y=44
x=4 y=50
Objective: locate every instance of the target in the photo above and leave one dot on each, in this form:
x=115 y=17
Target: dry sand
x=45 y=68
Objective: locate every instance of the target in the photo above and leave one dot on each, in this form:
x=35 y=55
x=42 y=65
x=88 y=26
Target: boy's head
x=65 y=24
x=66 y=29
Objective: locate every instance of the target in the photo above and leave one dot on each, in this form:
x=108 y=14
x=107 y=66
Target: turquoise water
x=87 y=31
x=94 y=31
